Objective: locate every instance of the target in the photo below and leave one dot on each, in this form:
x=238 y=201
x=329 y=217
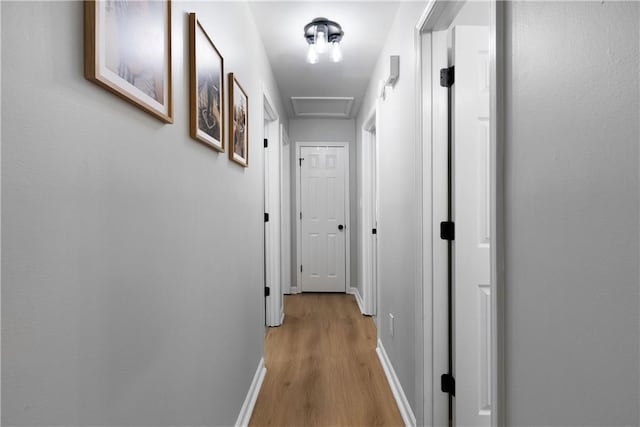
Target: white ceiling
x=281 y=25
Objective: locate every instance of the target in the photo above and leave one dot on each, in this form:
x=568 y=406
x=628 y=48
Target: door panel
x=472 y=325
x=322 y=190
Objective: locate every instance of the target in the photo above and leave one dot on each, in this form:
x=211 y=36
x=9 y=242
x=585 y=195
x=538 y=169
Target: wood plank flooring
x=322 y=368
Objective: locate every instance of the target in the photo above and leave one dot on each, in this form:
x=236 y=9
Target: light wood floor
x=322 y=368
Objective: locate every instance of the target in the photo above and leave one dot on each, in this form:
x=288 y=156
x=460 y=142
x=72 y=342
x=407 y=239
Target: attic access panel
x=310 y=106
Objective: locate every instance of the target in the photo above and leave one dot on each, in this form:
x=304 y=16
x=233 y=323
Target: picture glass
x=209 y=90
x=240 y=136
x=133 y=49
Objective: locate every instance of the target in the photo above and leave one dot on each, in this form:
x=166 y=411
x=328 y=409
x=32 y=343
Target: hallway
x=322 y=368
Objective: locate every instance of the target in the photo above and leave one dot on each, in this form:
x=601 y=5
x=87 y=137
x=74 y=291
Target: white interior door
x=285 y=180
x=323 y=231
x=368 y=220
x=272 y=201
x=373 y=301
x=472 y=301
x=267 y=231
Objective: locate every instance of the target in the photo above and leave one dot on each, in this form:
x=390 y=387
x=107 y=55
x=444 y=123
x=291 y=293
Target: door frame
x=347 y=207
x=369 y=178
x=274 y=309
x=429 y=111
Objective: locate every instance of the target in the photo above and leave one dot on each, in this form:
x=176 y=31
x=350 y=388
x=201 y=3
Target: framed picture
x=238 y=123
x=128 y=51
x=206 y=87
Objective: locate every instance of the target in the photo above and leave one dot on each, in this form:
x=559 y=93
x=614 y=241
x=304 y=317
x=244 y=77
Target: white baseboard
x=396 y=388
x=356 y=293
x=294 y=290
x=252 y=395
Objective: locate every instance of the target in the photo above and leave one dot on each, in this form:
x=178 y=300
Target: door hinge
x=300 y=215
x=374 y=231
x=266 y=143
x=267 y=291
x=447 y=230
x=448 y=384
x=300 y=268
x=300 y=160
x=266 y=217
x=447 y=76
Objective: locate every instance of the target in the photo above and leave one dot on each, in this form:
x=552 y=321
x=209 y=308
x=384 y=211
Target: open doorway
x=460 y=122
x=274 y=310
x=369 y=215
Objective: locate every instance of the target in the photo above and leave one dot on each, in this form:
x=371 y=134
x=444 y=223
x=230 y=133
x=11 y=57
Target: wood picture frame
x=206 y=87
x=128 y=52
x=238 y=122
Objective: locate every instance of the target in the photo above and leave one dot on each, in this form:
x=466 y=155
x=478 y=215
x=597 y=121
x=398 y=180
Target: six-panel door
x=323 y=228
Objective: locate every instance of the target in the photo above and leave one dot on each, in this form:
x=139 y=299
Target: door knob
x=340 y=227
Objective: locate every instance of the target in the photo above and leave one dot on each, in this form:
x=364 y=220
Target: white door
x=368 y=220
x=273 y=302
x=285 y=228
x=373 y=300
x=323 y=231
x=472 y=328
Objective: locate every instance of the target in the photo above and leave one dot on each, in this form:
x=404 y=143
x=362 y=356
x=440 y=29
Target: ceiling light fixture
x=322 y=33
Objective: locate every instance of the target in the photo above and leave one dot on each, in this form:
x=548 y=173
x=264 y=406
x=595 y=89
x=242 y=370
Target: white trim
x=252 y=396
x=356 y=293
x=272 y=114
x=347 y=213
x=437 y=15
x=293 y=290
x=396 y=388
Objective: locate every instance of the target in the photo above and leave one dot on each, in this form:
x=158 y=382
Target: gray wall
x=325 y=130
x=132 y=263
x=398 y=219
x=572 y=214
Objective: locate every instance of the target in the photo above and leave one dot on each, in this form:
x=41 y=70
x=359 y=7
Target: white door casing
x=472 y=216
x=323 y=207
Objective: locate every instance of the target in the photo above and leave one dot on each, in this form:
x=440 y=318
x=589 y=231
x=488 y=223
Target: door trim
x=437 y=15
x=347 y=205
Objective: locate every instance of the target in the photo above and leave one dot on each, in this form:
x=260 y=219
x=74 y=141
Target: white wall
x=572 y=214
x=398 y=225
x=132 y=266
x=325 y=130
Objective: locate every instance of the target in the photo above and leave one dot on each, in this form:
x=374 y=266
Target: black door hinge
x=267 y=291
x=374 y=231
x=447 y=230
x=448 y=384
x=300 y=160
x=300 y=268
x=447 y=76
x=300 y=215
x=266 y=217
x=266 y=143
